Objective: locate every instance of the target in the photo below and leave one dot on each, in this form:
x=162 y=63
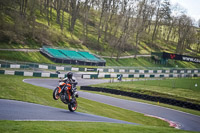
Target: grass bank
x=185 y=89
x=79 y=127
x=148 y=62
x=24 y=57
x=12 y=87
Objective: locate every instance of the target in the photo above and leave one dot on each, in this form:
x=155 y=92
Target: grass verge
x=181 y=88
x=195 y=112
x=24 y=56
x=79 y=127
x=12 y=87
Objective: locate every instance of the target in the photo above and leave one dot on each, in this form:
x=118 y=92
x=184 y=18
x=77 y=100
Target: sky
x=192 y=7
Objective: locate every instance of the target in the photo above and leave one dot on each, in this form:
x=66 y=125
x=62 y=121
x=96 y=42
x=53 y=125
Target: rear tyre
x=73 y=106
x=56 y=95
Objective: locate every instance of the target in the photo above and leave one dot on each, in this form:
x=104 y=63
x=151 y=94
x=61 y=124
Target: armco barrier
x=44 y=66
x=145 y=97
x=32 y=74
x=103 y=75
x=99 y=70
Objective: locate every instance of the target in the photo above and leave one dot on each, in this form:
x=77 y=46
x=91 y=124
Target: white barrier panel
x=189 y=71
x=9 y=72
x=167 y=71
x=175 y=71
x=113 y=75
x=157 y=75
x=150 y=71
x=131 y=71
x=101 y=75
x=111 y=70
x=100 y=69
x=28 y=73
x=147 y=75
x=59 y=68
x=141 y=71
x=121 y=70
x=45 y=75
x=159 y=71
x=125 y=75
x=136 y=75
x=43 y=66
x=182 y=71
x=61 y=75
x=166 y=75
x=14 y=66
x=175 y=75
x=86 y=76
x=195 y=71
x=75 y=69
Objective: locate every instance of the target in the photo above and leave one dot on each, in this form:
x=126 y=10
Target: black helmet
x=69 y=75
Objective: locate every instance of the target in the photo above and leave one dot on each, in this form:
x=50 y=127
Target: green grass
x=147 y=62
x=12 y=87
x=191 y=111
x=24 y=56
x=79 y=127
x=181 y=89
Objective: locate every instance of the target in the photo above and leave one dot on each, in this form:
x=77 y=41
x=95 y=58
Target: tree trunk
x=101 y=17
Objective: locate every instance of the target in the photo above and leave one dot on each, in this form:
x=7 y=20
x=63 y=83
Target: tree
x=86 y=9
x=74 y=12
x=185 y=33
x=103 y=10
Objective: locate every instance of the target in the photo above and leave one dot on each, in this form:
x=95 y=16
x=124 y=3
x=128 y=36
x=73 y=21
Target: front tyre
x=56 y=95
x=73 y=106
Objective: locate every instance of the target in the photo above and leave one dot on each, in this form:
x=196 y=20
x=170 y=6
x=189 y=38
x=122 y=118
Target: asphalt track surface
x=23 y=111
x=185 y=121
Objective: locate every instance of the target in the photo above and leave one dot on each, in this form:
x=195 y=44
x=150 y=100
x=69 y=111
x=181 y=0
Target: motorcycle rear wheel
x=73 y=106
x=56 y=95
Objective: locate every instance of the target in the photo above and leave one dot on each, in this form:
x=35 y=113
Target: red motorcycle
x=64 y=92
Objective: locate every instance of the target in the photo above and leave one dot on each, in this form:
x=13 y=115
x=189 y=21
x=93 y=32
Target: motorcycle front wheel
x=56 y=95
x=72 y=106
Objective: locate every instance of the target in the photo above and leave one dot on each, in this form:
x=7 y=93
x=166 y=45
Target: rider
x=72 y=80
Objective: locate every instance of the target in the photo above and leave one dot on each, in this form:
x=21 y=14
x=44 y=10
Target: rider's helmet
x=69 y=75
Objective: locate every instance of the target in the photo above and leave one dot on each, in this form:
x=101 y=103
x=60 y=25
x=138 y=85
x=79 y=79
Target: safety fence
x=33 y=66
x=141 y=75
x=32 y=74
x=26 y=65
x=170 y=101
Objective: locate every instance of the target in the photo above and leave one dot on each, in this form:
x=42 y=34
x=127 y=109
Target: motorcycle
x=64 y=92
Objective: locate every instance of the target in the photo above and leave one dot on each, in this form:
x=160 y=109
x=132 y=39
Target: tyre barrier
x=145 y=97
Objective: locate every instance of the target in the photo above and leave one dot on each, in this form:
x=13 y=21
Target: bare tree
x=103 y=10
x=185 y=31
x=86 y=8
x=74 y=12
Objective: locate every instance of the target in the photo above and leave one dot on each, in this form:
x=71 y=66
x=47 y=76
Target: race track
x=23 y=111
x=15 y=110
x=184 y=121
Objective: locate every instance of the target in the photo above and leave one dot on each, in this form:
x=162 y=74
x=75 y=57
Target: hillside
x=32 y=24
